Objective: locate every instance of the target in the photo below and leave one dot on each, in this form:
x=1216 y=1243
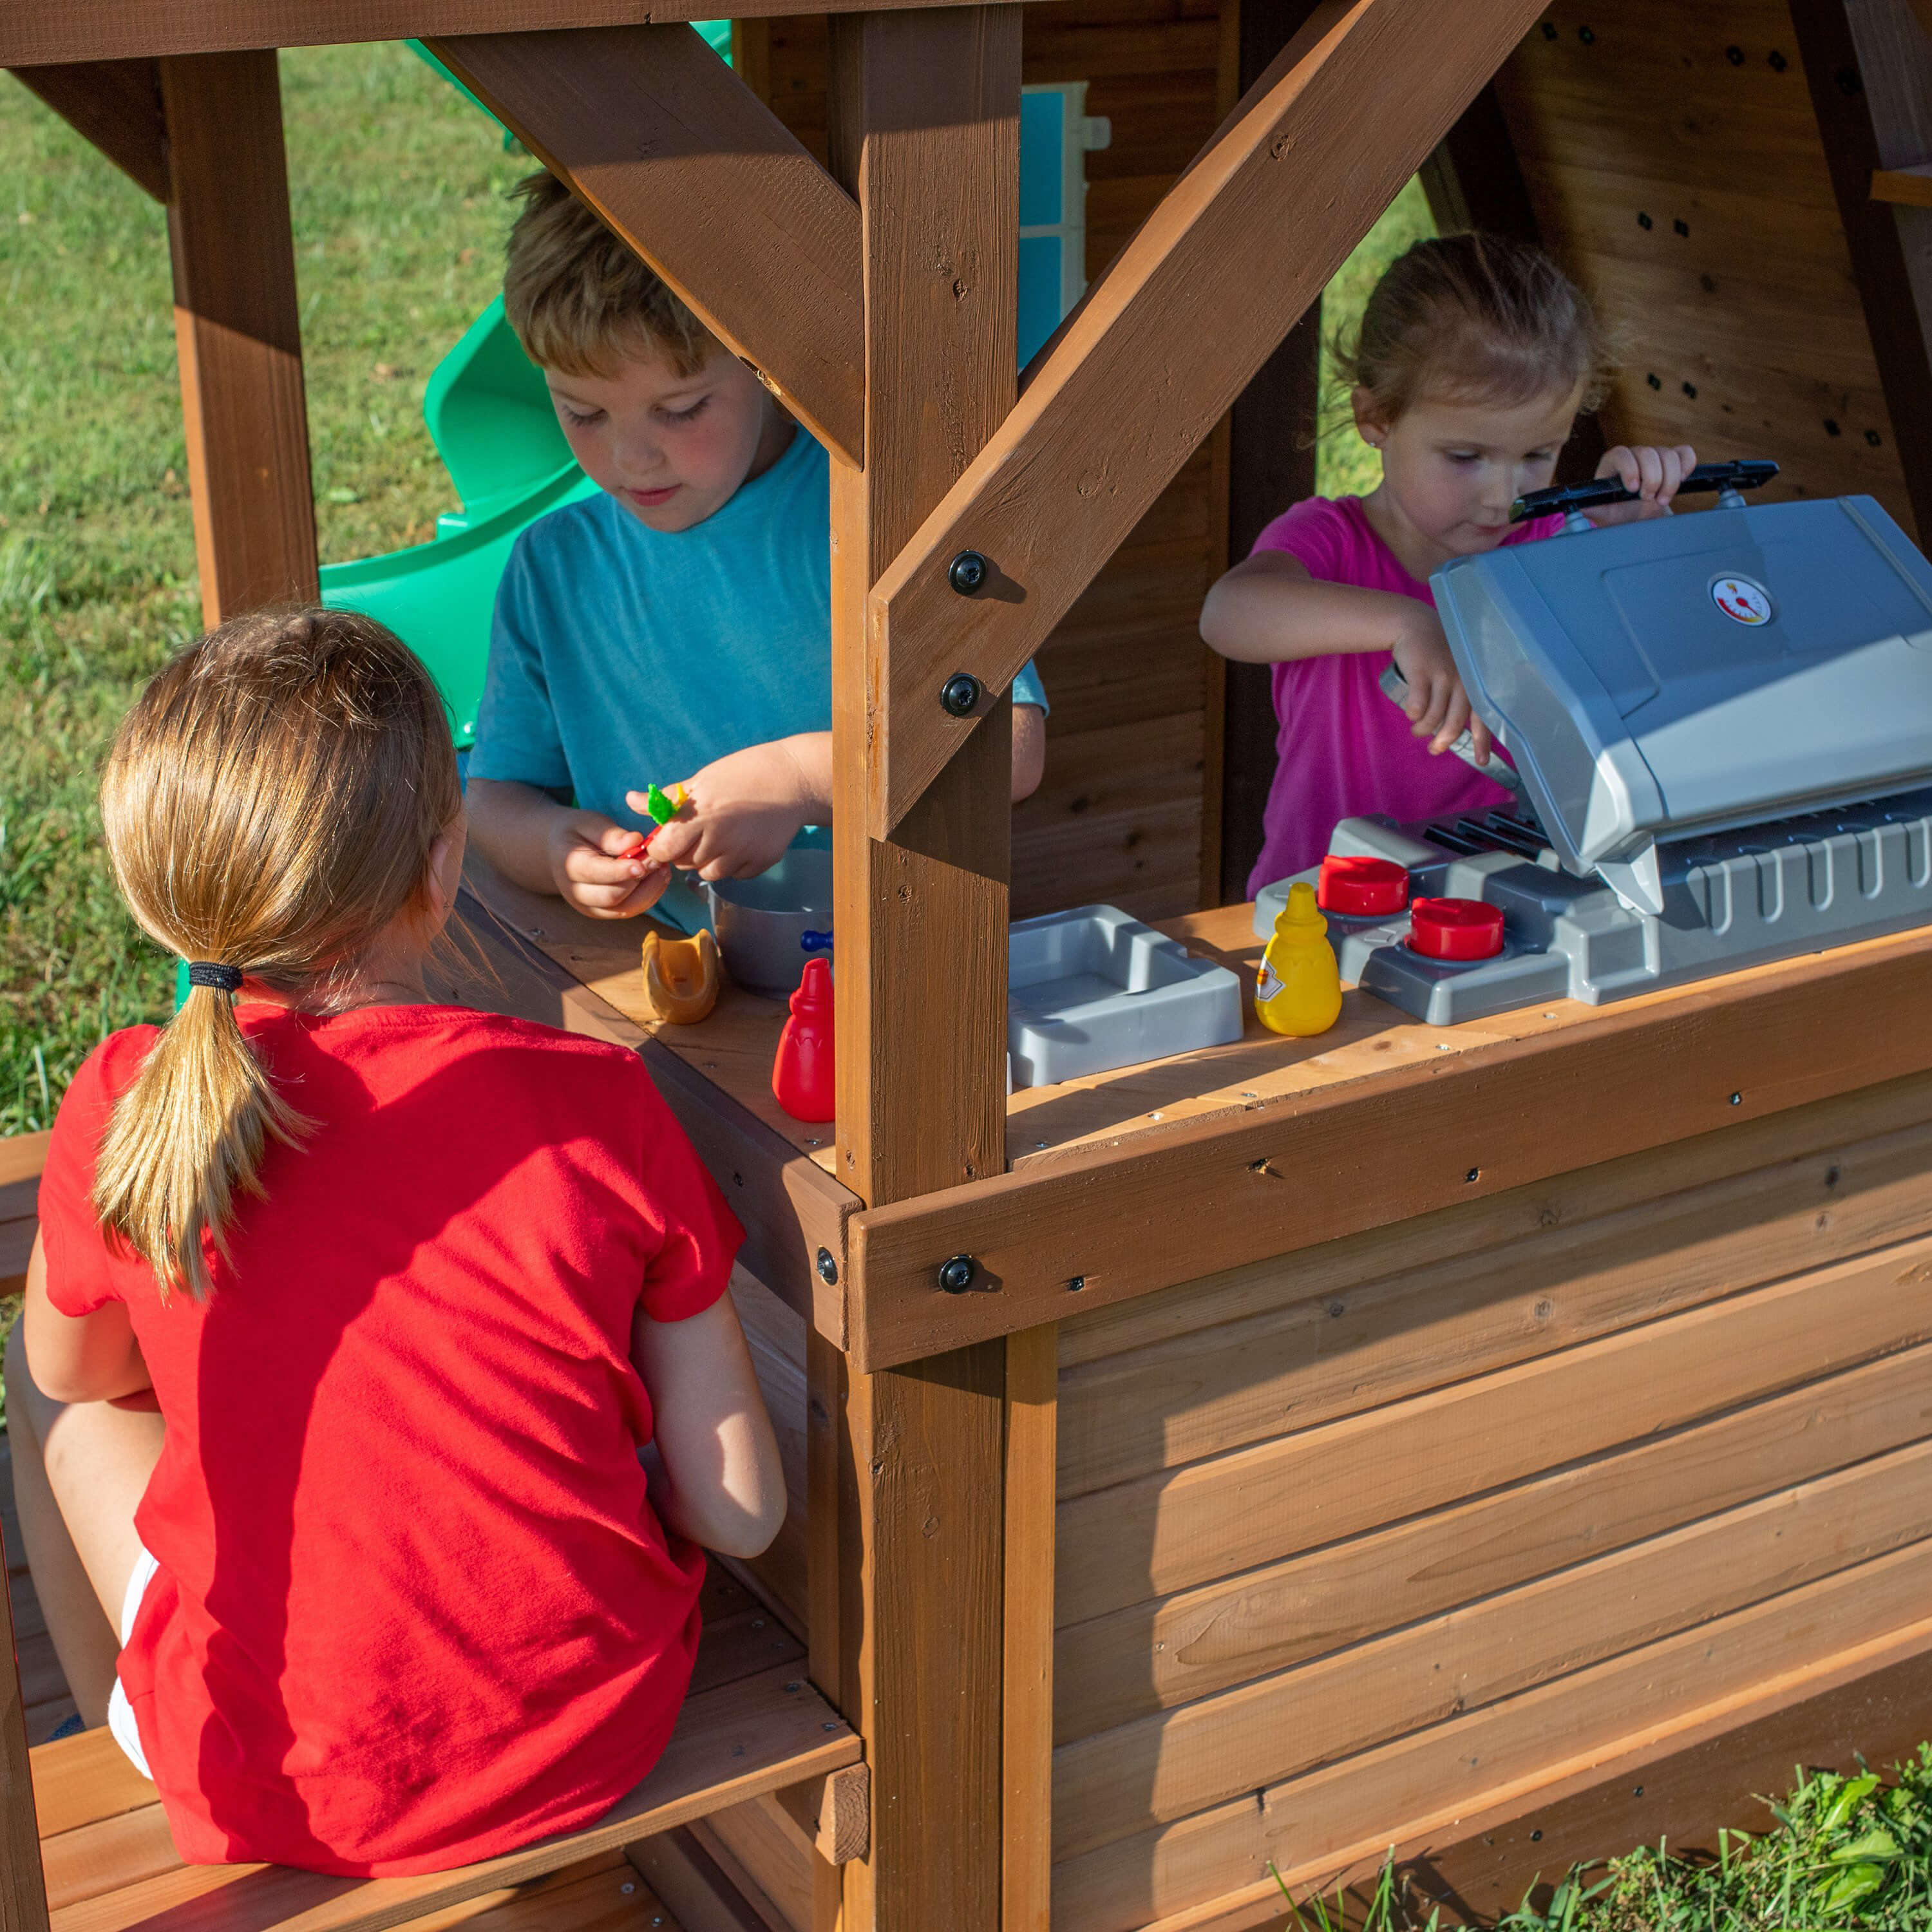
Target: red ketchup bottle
x=803 y=1082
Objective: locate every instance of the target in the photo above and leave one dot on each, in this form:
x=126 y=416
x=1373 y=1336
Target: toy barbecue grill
x=1723 y=728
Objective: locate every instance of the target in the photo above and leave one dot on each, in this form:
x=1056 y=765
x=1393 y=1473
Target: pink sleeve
x=1316 y=533
x=80 y=1276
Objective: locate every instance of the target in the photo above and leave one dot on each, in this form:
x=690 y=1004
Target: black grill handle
x=1745 y=473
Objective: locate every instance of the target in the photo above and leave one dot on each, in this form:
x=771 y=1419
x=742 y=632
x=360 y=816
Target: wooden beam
x=1270 y=465
x=1162 y=344
x=237 y=332
x=693 y=171
x=1869 y=65
x=1115 y=1221
x=1033 y=1408
x=116 y=104
x=88 y=30
x=23 y=1894
x=924 y=122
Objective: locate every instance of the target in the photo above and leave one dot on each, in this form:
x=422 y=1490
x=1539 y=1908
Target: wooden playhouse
x=1503 y=1442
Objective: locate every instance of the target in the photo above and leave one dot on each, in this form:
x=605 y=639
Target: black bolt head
x=1735 y=56
x=828 y=1268
x=960 y=694
x=968 y=572
x=955 y=1276
x=1642 y=220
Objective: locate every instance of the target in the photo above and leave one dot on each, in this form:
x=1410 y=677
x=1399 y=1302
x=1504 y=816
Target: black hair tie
x=206 y=973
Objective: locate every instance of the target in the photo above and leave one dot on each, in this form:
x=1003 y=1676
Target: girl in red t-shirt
x=378 y=1378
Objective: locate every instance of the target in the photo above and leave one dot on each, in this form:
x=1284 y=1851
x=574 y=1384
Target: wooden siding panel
x=1169 y=1532
x=1855 y=1620
x=1561 y=1201
x=1174 y=1763
x=1151 y=1656
x=1743 y=332
x=1177 y=1401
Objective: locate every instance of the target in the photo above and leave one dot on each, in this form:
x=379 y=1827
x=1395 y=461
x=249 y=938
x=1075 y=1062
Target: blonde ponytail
x=270 y=805
x=186 y=1138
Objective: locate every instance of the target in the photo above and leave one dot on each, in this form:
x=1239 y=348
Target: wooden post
x=924 y=130
x=1270 y=465
x=1033 y=1420
x=1868 y=64
x=237 y=332
x=23 y=1893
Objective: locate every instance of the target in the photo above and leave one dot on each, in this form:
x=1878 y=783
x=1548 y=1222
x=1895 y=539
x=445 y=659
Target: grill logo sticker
x=1742 y=600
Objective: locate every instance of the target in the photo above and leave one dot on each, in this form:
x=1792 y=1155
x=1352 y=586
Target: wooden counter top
x=1371 y=1041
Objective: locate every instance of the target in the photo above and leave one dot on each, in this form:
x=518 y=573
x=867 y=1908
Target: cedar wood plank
x=1735 y=1749
x=1184 y=1526
x=699 y=178
x=1161 y=1207
x=1170 y=1764
x=23 y=1898
x=1151 y=1656
x=237 y=334
x=116 y=105
x=88 y=30
x=1033 y=1387
x=1500 y=1758
x=924 y=128
x=732 y=1743
x=1327 y=1355
x=1240 y=246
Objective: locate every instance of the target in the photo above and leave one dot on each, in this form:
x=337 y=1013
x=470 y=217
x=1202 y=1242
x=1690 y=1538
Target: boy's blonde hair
x=1470 y=318
x=270 y=805
x=581 y=302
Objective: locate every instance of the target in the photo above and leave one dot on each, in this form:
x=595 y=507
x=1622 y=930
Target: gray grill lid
x=1637 y=709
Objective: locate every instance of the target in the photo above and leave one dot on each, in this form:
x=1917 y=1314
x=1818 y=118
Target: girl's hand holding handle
x=601 y=867
x=1653 y=475
x=1437 y=705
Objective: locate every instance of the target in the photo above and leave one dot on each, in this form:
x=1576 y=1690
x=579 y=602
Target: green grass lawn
x=397 y=186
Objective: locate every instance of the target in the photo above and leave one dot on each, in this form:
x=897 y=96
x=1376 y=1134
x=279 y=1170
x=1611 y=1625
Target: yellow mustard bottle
x=1299 y=988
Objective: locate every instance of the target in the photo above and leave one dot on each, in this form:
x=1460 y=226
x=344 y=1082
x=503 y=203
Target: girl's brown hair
x=1474 y=317
x=270 y=805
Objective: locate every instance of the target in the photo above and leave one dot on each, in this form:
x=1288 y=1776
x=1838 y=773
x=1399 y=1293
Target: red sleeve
x=1315 y=532
x=699 y=1235
x=80 y=1275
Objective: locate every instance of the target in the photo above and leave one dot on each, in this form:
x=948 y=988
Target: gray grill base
x=1731 y=899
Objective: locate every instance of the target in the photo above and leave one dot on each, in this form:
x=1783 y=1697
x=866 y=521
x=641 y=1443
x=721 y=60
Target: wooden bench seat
x=749 y=1728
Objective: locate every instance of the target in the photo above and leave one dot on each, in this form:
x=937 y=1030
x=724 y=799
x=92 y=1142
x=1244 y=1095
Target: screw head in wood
x=956 y=1275
x=968 y=573
x=960 y=694
x=828 y=1268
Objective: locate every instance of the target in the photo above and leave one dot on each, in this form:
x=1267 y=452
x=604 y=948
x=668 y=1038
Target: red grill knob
x=1456 y=928
x=1359 y=888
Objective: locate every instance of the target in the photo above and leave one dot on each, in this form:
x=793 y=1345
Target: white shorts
x=120 y=1712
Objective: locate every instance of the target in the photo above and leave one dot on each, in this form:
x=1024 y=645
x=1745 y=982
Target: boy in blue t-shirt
x=675 y=627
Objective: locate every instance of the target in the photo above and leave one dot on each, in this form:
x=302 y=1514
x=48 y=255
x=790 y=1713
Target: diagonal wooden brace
x=691 y=168
x=1241 y=245
x=117 y=105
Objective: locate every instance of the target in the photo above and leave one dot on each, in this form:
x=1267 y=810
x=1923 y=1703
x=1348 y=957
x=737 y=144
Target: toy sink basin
x=768 y=927
x=1093 y=989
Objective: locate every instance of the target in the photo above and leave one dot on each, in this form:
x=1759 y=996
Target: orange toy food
x=680 y=977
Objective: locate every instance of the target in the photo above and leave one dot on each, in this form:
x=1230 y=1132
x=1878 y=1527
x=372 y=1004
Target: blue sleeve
x=517 y=735
x=1028 y=688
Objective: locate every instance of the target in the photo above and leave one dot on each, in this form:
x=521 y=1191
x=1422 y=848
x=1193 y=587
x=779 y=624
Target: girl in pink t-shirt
x=377 y=1378
x=1475 y=356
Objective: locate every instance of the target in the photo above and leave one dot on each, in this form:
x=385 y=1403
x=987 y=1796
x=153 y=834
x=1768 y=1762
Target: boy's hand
x=1437 y=705
x=1653 y=475
x=742 y=812
x=601 y=867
